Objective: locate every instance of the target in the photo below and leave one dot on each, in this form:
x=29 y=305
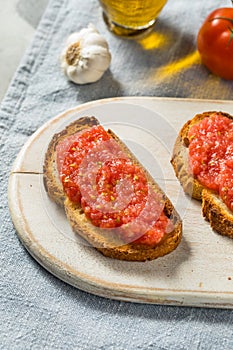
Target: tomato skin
x=215 y=45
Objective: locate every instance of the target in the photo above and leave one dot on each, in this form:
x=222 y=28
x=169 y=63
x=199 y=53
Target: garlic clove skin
x=86 y=56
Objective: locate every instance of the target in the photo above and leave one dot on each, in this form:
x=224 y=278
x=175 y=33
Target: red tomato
x=215 y=42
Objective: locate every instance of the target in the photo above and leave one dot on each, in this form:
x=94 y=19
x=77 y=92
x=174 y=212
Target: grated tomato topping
x=113 y=191
x=211 y=155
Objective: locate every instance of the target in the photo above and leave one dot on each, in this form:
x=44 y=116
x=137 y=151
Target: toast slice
x=105 y=241
x=213 y=208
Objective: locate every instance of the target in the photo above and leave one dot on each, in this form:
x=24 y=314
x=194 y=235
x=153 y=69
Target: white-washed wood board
x=198 y=273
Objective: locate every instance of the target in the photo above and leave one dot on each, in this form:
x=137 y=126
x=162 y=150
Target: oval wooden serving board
x=198 y=273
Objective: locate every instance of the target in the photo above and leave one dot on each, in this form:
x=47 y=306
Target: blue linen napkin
x=38 y=311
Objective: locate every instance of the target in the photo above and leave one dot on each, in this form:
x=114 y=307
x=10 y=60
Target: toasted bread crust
x=180 y=164
x=217 y=213
x=104 y=240
x=213 y=209
x=111 y=246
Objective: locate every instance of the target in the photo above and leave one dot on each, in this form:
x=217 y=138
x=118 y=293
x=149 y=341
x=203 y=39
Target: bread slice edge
x=96 y=237
x=213 y=209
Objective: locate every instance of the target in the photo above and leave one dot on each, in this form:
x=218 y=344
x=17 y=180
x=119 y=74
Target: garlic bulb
x=86 y=56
